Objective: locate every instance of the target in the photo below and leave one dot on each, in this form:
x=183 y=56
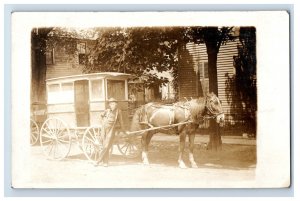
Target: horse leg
x=191 y=150
x=145 y=149
x=146 y=138
x=181 y=149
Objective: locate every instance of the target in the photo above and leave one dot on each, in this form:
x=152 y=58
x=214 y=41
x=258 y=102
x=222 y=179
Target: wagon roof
x=91 y=75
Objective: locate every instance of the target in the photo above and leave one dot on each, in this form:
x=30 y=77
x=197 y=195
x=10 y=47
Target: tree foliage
x=213 y=37
x=245 y=65
x=241 y=88
x=138 y=51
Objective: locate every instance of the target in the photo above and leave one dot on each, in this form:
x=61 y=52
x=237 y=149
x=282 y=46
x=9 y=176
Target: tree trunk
x=215 y=142
x=212 y=68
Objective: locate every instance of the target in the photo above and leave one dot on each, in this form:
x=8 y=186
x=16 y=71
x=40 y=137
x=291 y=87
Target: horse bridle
x=212 y=114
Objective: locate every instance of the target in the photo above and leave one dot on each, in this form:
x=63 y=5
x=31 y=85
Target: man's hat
x=112 y=100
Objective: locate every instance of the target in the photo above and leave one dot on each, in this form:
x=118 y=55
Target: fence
x=233 y=125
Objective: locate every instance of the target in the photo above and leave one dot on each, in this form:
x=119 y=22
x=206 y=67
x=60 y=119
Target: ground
x=234 y=166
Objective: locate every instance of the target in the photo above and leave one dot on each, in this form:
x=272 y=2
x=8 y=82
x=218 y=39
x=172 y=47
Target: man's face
x=113 y=105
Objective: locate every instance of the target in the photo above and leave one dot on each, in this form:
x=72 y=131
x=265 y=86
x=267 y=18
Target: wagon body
x=79 y=99
x=74 y=105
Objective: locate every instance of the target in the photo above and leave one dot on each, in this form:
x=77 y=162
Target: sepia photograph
x=152 y=104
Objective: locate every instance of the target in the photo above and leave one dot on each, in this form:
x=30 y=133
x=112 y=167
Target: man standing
x=111 y=119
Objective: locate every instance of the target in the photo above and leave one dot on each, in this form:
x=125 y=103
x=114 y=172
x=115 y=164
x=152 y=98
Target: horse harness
x=169 y=108
x=208 y=107
x=211 y=114
x=147 y=121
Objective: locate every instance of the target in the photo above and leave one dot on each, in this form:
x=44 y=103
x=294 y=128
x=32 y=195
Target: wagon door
x=82 y=102
x=117 y=90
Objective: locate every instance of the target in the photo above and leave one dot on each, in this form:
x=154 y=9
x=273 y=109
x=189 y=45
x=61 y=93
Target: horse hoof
x=146 y=162
x=182 y=165
x=194 y=165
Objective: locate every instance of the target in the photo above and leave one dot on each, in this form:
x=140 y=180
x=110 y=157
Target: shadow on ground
x=232 y=156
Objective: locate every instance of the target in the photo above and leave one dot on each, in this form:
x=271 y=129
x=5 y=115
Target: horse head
x=214 y=107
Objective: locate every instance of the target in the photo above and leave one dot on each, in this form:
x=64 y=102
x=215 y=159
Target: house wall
x=226 y=70
x=199 y=55
x=65 y=64
x=198 y=86
x=187 y=79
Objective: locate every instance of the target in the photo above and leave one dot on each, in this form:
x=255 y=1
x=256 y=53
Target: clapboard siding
x=66 y=64
x=225 y=70
x=62 y=67
x=187 y=75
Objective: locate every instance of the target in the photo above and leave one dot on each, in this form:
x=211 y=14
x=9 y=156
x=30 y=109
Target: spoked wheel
x=55 y=139
x=92 y=143
x=130 y=146
x=34 y=132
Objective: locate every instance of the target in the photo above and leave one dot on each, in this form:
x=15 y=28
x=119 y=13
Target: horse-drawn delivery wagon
x=74 y=105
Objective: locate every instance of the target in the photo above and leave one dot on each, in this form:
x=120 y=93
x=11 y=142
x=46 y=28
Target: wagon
x=37 y=117
x=74 y=106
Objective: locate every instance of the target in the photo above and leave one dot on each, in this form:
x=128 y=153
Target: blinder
x=212 y=112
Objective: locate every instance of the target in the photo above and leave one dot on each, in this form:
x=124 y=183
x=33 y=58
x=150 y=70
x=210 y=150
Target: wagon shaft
x=140 y=132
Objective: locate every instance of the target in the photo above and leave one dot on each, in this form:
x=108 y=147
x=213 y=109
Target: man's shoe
x=105 y=165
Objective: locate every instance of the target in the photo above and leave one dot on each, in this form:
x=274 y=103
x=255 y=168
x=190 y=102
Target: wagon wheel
x=129 y=146
x=34 y=132
x=55 y=138
x=92 y=143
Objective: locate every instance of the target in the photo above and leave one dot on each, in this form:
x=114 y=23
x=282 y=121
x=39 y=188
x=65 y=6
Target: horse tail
x=136 y=119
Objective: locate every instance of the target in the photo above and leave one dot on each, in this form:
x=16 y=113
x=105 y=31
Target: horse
x=186 y=115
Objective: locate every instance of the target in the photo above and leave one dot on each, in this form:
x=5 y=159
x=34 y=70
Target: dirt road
x=233 y=167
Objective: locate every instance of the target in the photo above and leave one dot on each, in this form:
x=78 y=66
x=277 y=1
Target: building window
x=50 y=57
x=81 y=48
x=203 y=69
x=82 y=59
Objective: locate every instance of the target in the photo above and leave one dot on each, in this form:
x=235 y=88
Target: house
x=60 y=63
x=194 y=79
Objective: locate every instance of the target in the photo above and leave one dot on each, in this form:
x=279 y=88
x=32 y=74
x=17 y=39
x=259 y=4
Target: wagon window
x=116 y=89
x=53 y=93
x=97 y=92
x=67 y=95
